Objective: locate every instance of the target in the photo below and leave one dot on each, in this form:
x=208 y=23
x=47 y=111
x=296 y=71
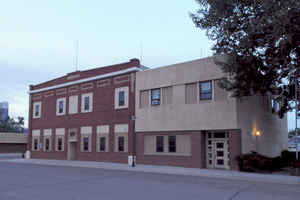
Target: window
x=36 y=144
x=121 y=144
x=102 y=143
x=47 y=144
x=61 y=106
x=73 y=104
x=59 y=144
x=205 y=90
x=87 y=102
x=191 y=93
x=144 y=98
x=155 y=97
x=167 y=95
x=37 y=109
x=86 y=144
x=121 y=98
x=159 y=143
x=172 y=144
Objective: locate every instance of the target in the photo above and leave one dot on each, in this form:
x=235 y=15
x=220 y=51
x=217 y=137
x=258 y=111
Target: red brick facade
x=104 y=113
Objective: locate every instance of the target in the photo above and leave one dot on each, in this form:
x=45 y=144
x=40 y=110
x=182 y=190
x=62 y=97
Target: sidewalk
x=210 y=173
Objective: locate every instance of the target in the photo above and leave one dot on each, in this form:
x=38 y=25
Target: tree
x=10 y=125
x=259 y=41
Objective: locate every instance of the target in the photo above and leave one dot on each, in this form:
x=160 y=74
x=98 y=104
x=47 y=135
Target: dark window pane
x=172 y=144
x=37 y=108
x=85 y=143
x=60 y=106
x=220 y=162
x=220 y=153
x=102 y=143
x=86 y=103
x=205 y=90
x=35 y=144
x=47 y=144
x=220 y=145
x=219 y=135
x=121 y=143
x=121 y=98
x=155 y=97
x=59 y=144
x=159 y=143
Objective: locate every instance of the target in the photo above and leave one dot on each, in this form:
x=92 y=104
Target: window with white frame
x=121 y=137
x=59 y=139
x=205 y=90
x=35 y=140
x=73 y=104
x=61 y=106
x=37 y=109
x=87 y=102
x=102 y=138
x=47 y=139
x=155 y=97
x=121 y=97
x=86 y=139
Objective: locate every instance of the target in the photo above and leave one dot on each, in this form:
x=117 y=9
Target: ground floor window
x=159 y=143
x=86 y=144
x=35 y=142
x=102 y=144
x=172 y=144
x=47 y=144
x=59 y=144
x=121 y=144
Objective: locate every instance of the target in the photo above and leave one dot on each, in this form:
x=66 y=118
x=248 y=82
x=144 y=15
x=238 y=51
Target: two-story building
x=84 y=115
x=175 y=115
x=184 y=119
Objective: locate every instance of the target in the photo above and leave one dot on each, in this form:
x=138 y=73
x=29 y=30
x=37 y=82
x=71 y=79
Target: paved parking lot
x=29 y=182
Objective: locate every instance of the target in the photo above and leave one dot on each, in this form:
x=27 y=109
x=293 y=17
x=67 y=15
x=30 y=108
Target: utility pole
x=296 y=110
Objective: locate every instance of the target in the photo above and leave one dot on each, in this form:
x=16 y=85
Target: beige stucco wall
x=220 y=113
x=254 y=114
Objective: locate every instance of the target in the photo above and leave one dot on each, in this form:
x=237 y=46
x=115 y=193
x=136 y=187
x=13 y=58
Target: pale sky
x=38 y=39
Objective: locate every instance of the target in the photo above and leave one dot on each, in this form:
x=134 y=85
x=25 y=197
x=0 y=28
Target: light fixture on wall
x=257 y=134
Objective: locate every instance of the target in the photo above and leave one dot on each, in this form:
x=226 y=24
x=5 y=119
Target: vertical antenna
x=76 y=62
x=141 y=51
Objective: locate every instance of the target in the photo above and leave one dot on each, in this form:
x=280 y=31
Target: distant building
x=3 y=110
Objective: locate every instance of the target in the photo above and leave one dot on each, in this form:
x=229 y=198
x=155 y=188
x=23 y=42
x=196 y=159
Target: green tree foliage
x=10 y=125
x=260 y=39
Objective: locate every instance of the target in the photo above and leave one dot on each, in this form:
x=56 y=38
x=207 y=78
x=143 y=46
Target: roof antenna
x=141 y=51
x=76 y=61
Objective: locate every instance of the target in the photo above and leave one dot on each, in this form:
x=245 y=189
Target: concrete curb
x=209 y=173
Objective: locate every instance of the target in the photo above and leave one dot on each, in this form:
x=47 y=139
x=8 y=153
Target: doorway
x=217 y=155
x=72 y=150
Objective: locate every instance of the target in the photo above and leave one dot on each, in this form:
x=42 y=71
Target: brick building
x=174 y=115
x=84 y=115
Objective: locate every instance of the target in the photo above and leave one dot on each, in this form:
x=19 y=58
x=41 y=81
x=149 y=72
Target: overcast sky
x=38 y=39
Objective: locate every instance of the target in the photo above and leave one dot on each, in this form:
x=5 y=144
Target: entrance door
x=72 y=151
x=220 y=154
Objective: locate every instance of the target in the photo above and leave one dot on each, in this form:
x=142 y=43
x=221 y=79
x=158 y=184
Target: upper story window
x=121 y=97
x=37 y=107
x=155 y=97
x=61 y=106
x=87 y=102
x=205 y=90
x=73 y=104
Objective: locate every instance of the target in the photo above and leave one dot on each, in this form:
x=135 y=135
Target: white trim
x=87 y=79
